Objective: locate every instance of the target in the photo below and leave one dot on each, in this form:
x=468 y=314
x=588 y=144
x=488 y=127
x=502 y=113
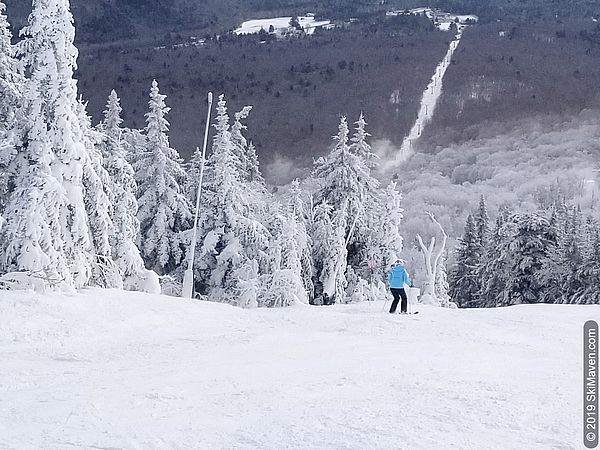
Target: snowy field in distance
x=441 y=19
x=309 y=23
x=108 y=369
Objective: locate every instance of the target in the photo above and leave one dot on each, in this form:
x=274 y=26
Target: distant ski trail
x=428 y=102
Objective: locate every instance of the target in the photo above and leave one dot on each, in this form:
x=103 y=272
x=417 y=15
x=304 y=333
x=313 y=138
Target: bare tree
x=432 y=262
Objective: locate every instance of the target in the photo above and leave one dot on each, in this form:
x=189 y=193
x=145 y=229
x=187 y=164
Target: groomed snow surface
x=108 y=369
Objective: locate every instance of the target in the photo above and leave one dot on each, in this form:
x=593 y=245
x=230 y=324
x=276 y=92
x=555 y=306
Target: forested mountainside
x=103 y=21
x=377 y=64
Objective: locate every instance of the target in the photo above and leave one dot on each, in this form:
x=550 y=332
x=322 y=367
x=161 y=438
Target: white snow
x=442 y=20
x=309 y=23
x=109 y=369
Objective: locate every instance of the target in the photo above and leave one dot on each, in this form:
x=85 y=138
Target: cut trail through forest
x=429 y=102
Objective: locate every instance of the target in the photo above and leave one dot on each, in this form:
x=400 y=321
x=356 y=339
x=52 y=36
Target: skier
x=397 y=278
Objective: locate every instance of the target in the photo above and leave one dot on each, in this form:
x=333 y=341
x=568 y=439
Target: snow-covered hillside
x=281 y=24
x=108 y=369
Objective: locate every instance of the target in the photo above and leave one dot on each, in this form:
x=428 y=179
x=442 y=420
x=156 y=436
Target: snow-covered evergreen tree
x=388 y=234
x=252 y=166
x=283 y=283
x=482 y=223
x=299 y=213
x=340 y=174
x=164 y=211
x=125 y=206
x=49 y=228
x=465 y=285
x=360 y=146
x=240 y=144
x=589 y=270
x=193 y=177
x=99 y=200
x=493 y=273
x=344 y=178
x=329 y=253
x=233 y=236
x=560 y=271
x=531 y=243
x=11 y=87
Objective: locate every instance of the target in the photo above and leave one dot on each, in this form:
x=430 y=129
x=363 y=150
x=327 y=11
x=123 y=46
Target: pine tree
x=388 y=228
x=233 y=237
x=360 y=146
x=194 y=176
x=465 y=285
x=54 y=240
x=493 y=273
x=482 y=223
x=253 y=167
x=283 y=283
x=164 y=211
x=134 y=144
x=124 y=214
x=329 y=253
x=344 y=178
x=589 y=270
x=298 y=212
x=11 y=87
x=240 y=144
x=531 y=243
x=99 y=201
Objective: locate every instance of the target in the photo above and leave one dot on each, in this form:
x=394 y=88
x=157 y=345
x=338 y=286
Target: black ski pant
x=397 y=293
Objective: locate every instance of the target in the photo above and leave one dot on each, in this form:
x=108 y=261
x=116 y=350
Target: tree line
x=547 y=256
x=109 y=206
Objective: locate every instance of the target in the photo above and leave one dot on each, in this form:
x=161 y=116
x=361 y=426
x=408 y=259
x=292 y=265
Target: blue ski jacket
x=398 y=277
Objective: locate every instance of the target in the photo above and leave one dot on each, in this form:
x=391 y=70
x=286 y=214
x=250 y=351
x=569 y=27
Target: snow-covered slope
x=108 y=369
x=309 y=23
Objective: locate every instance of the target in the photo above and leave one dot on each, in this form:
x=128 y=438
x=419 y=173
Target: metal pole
x=188 y=278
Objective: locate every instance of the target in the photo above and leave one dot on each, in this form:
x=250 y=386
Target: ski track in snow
x=429 y=102
x=109 y=369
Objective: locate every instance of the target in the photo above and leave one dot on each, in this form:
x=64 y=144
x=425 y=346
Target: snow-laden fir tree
x=531 y=243
x=589 y=270
x=11 y=86
x=193 y=178
x=482 y=223
x=329 y=253
x=360 y=146
x=341 y=175
x=492 y=272
x=164 y=210
x=299 y=213
x=388 y=236
x=240 y=143
x=233 y=237
x=465 y=284
x=283 y=283
x=343 y=178
x=560 y=274
x=48 y=230
x=99 y=200
x=252 y=166
x=125 y=206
